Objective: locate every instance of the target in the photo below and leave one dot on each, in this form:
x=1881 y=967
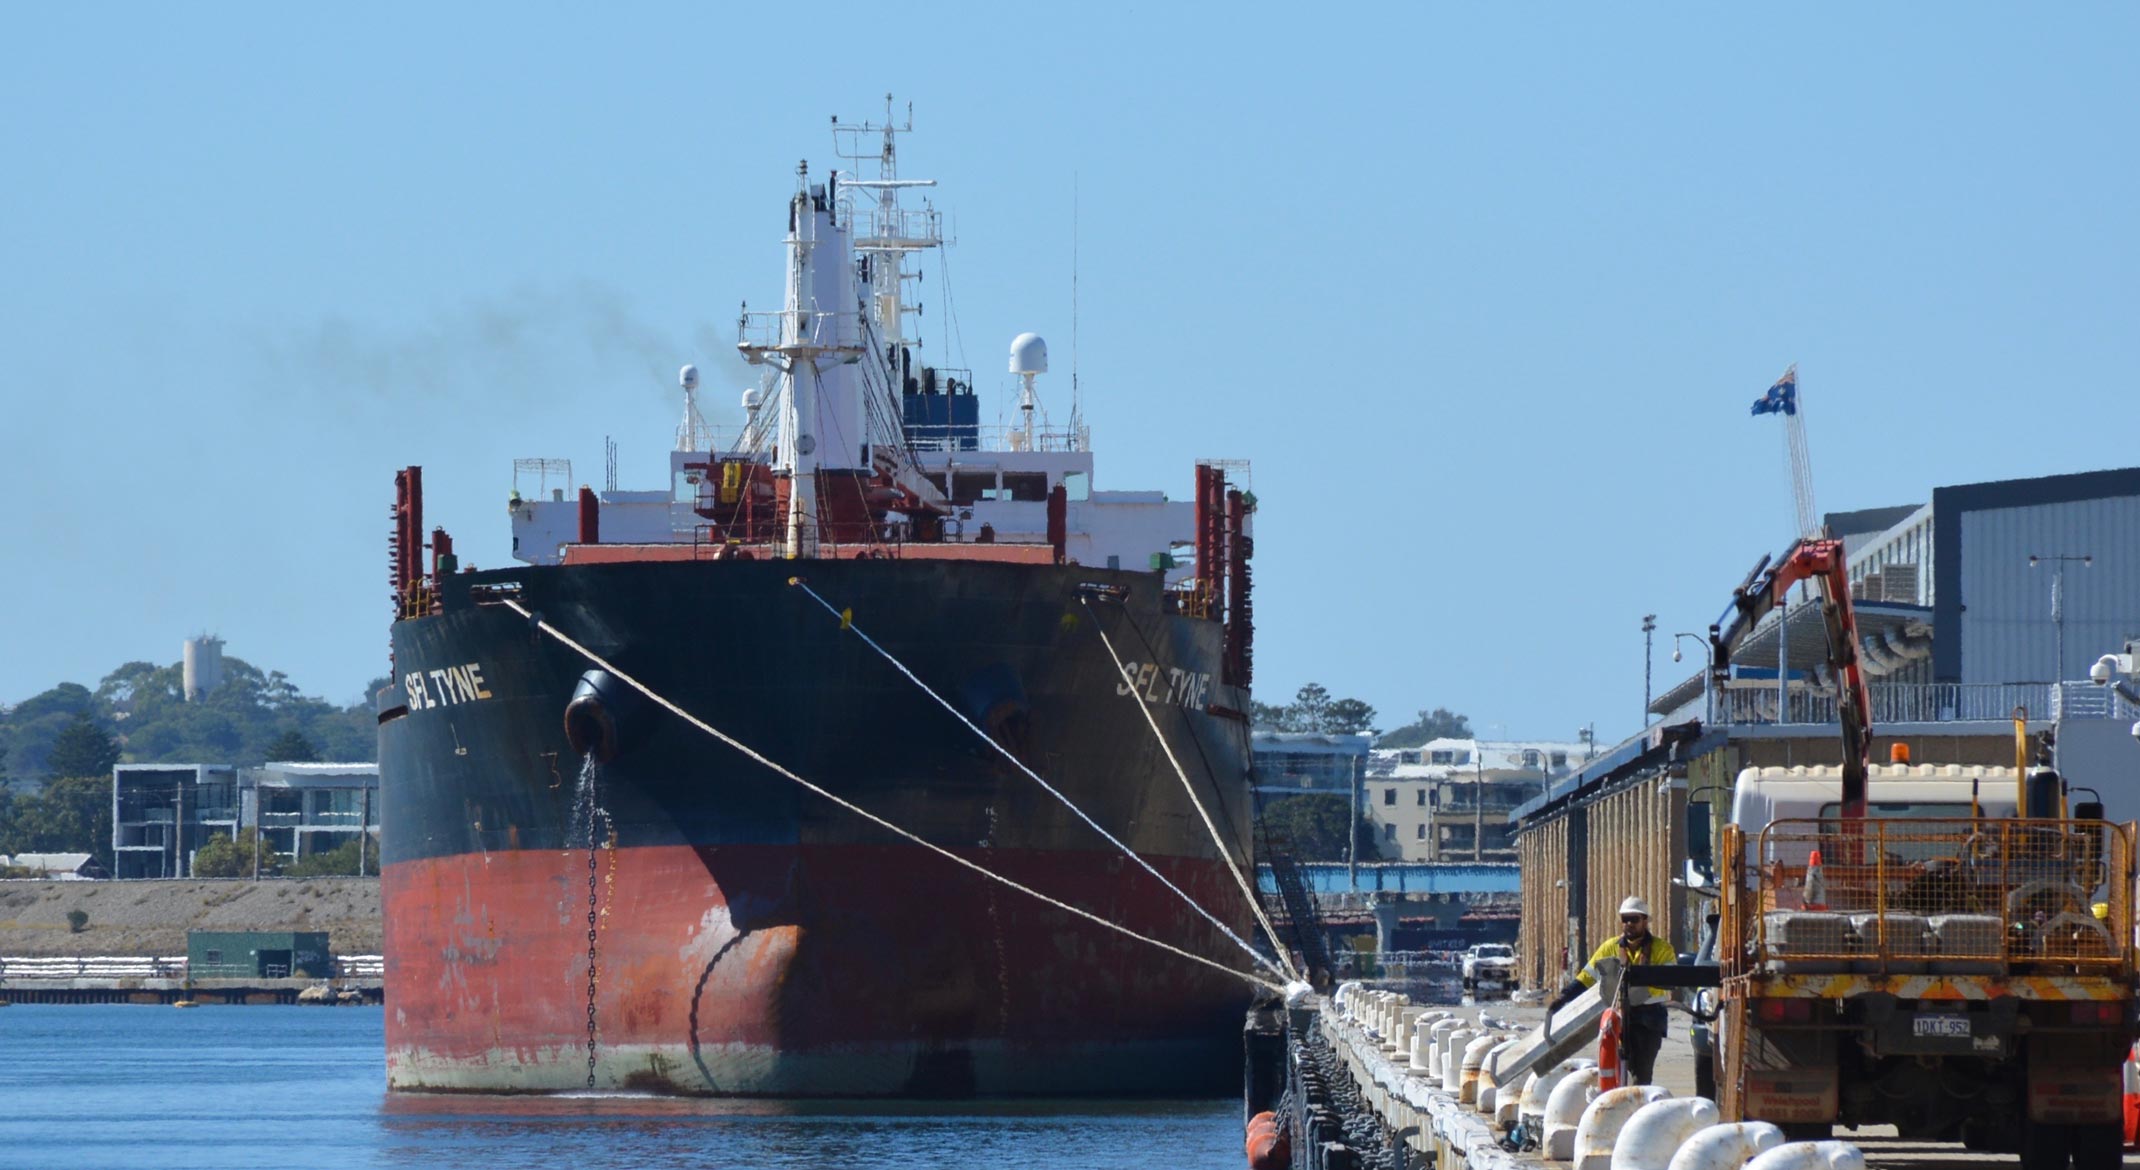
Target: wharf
x=1355 y=1106
x=201 y=991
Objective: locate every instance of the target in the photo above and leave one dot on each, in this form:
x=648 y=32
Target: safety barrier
x=1956 y=896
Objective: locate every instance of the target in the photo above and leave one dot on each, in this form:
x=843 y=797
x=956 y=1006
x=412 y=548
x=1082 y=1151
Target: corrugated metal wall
x=1582 y=862
x=2006 y=628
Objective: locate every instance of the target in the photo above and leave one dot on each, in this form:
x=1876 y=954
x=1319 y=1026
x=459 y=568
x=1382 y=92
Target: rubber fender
x=1261 y=1123
x=1564 y=1111
x=1810 y=1156
x=1658 y=1130
x=1599 y=1130
x=605 y=717
x=1270 y=1149
x=1727 y=1147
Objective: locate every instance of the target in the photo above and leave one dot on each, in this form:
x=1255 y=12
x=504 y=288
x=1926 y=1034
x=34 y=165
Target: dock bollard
x=1810 y=1156
x=1422 y=1039
x=1437 y=1040
x=1728 y=1146
x=1452 y=1059
x=1564 y=1111
x=1658 y=1130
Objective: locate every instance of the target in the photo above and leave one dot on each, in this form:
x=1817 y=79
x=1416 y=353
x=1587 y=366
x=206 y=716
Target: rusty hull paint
x=849 y=970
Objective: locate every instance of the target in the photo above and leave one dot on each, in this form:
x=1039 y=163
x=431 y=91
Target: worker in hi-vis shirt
x=1642 y=1030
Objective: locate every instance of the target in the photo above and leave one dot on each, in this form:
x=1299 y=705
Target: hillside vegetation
x=57 y=748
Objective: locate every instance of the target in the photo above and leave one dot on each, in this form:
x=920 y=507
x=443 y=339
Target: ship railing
x=780 y=329
x=1891 y=703
x=420 y=600
x=901 y=228
x=997 y=437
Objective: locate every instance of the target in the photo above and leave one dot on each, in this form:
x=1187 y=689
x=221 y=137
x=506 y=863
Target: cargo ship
x=696 y=798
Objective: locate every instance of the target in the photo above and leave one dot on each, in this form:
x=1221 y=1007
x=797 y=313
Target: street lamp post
x=1649 y=627
x=1708 y=707
x=2058 y=604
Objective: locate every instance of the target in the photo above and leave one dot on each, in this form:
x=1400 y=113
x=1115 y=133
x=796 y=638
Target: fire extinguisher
x=1610 y=1071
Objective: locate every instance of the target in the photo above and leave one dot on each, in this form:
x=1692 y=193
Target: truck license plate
x=1942 y=1026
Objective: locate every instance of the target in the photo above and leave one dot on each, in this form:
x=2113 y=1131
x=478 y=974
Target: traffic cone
x=2132 y=1098
x=1815 y=894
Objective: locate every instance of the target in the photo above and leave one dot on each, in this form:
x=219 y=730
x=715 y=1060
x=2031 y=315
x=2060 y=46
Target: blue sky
x=1483 y=293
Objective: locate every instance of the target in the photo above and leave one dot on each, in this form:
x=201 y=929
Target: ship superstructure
x=854 y=445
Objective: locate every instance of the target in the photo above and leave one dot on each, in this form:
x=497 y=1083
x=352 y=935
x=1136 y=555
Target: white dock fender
x=1564 y=1111
x=1726 y=1147
x=1490 y=1090
x=1471 y=1064
x=1658 y=1129
x=1810 y=1156
x=1538 y=1087
x=1603 y=1118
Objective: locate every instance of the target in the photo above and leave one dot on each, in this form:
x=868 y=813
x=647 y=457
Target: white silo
x=203 y=665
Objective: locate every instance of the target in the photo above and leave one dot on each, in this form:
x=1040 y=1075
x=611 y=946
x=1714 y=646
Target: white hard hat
x=1635 y=905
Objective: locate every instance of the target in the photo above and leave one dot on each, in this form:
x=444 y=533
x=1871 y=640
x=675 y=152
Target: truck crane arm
x=1822 y=562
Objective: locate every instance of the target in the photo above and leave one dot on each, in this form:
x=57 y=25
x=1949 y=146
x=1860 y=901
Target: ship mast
x=814 y=341
x=885 y=233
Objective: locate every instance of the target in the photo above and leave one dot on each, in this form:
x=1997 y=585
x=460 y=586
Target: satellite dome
x=752 y=398
x=688 y=377
x=1029 y=354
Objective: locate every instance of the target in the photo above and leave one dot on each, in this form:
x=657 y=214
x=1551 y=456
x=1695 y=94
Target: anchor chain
x=593 y=917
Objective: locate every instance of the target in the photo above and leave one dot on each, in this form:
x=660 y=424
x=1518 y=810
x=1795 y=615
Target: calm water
x=86 y=1088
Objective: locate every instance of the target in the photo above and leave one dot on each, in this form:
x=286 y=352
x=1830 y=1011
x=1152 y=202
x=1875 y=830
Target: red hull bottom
x=849 y=970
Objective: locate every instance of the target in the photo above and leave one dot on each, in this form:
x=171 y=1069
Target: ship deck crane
x=1820 y=560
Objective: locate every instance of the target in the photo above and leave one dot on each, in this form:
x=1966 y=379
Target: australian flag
x=1782 y=398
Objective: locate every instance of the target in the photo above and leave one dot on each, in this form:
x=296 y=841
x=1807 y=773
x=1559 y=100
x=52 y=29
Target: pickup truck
x=1489 y=969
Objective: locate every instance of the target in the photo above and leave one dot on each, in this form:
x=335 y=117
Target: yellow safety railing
x=1997 y=897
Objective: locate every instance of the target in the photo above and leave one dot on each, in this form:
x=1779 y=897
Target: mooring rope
x=864 y=813
x=846 y=618
x=1247 y=891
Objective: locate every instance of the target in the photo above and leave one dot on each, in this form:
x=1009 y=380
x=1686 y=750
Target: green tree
x=1272 y=717
x=1348 y=717
x=340 y=861
x=36 y=722
x=72 y=815
x=291 y=747
x=223 y=857
x=1311 y=827
x=1309 y=703
x=1440 y=723
x=83 y=749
